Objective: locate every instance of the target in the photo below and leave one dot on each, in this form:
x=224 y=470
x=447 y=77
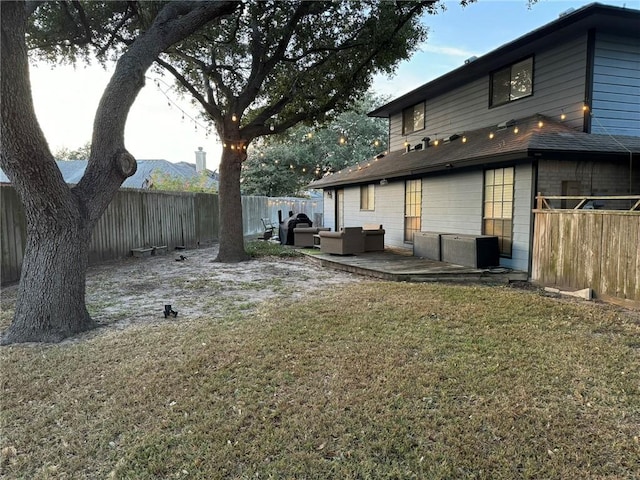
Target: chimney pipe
x=201 y=160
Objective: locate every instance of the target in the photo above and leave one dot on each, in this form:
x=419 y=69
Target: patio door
x=412 y=208
x=339 y=209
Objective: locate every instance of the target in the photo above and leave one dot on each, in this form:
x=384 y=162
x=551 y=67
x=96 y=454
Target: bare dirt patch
x=134 y=290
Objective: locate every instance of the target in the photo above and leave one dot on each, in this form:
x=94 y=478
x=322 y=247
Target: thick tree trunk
x=231 y=234
x=51 y=298
x=52 y=285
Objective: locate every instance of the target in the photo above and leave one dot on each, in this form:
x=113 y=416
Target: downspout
x=588 y=81
x=532 y=219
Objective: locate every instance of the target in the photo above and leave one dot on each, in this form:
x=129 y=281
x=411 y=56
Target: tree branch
x=211 y=108
x=109 y=163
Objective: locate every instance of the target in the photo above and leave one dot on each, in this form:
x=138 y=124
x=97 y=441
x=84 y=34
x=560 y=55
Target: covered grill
x=288 y=224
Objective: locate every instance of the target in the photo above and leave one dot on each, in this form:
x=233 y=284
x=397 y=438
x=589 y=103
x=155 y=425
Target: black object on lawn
x=169 y=312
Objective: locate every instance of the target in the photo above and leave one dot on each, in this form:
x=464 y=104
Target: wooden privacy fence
x=145 y=218
x=592 y=248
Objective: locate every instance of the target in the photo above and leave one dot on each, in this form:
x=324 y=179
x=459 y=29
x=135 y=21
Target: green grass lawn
x=371 y=381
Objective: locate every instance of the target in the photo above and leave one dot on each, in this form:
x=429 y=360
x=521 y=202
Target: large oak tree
x=276 y=64
x=60 y=219
x=266 y=68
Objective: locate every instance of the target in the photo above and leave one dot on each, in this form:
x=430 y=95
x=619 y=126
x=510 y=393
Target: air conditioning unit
x=427 y=245
x=475 y=251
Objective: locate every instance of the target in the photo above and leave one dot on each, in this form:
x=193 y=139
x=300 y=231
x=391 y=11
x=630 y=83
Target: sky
x=161 y=125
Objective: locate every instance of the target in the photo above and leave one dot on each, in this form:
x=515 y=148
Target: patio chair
x=303 y=236
x=347 y=241
x=269 y=227
x=373 y=237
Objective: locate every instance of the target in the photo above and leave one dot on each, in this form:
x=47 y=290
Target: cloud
x=444 y=50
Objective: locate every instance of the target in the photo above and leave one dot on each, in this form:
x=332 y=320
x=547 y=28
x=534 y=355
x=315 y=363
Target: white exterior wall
x=453 y=204
x=329 y=208
x=388 y=211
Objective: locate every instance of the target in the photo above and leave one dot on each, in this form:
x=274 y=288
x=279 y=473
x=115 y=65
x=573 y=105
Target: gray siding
x=601 y=178
x=616 y=86
x=559 y=87
x=522 y=219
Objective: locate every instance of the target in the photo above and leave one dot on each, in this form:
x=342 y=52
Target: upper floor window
x=512 y=83
x=413 y=119
x=367 y=197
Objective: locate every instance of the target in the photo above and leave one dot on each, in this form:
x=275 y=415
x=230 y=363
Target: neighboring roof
x=549 y=139
x=182 y=170
x=594 y=15
x=72 y=171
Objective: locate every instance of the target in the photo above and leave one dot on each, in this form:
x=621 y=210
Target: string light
x=516 y=130
x=540 y=124
x=491 y=136
x=172 y=103
x=234 y=118
x=464 y=139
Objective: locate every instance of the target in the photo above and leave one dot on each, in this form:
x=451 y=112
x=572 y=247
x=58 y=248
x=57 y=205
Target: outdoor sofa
x=303 y=236
x=347 y=241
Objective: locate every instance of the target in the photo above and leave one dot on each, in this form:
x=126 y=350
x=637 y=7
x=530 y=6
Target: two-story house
x=555 y=111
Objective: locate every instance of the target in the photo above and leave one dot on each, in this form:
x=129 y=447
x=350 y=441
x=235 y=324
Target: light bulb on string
x=491 y=135
x=234 y=118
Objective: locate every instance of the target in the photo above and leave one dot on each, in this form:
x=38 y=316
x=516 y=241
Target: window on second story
x=367 y=197
x=413 y=119
x=512 y=82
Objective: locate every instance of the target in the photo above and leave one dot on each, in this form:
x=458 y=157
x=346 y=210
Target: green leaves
x=283 y=165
